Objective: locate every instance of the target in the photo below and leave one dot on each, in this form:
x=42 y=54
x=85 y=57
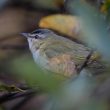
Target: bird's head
x=38 y=37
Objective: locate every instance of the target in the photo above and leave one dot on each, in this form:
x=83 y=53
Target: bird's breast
x=36 y=55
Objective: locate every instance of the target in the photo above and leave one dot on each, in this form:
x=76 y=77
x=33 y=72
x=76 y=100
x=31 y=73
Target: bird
x=55 y=53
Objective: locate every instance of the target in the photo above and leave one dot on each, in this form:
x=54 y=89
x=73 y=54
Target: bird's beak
x=25 y=35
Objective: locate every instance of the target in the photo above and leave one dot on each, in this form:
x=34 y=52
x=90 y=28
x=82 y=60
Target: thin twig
x=11 y=96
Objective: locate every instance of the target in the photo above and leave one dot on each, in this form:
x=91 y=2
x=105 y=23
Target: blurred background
x=17 y=16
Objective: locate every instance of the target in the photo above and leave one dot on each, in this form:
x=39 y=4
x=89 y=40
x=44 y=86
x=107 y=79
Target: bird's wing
x=56 y=50
x=58 y=59
x=63 y=64
x=78 y=52
x=62 y=57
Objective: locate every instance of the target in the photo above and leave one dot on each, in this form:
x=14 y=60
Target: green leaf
x=34 y=75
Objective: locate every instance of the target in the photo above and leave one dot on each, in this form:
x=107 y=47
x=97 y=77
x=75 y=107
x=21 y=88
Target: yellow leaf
x=105 y=7
x=65 y=24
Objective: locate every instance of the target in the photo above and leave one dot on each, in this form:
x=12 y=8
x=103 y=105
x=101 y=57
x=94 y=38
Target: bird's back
x=62 y=55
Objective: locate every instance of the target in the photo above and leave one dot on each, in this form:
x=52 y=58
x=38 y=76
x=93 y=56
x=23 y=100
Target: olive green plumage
x=56 y=53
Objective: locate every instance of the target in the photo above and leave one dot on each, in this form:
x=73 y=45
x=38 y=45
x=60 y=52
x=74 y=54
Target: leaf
x=35 y=77
x=75 y=93
x=64 y=24
x=106 y=7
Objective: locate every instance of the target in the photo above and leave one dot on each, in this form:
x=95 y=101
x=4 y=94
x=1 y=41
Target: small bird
x=56 y=53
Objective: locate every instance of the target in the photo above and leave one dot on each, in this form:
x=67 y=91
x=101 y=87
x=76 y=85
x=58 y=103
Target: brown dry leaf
x=65 y=24
x=63 y=64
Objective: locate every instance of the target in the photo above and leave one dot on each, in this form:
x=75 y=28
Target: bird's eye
x=36 y=37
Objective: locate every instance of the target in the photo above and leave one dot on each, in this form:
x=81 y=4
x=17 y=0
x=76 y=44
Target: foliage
x=35 y=76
